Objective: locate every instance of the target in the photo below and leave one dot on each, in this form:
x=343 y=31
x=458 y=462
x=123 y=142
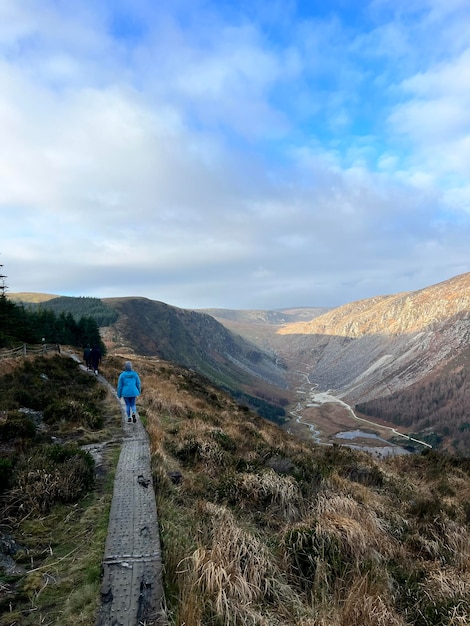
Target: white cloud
x=204 y=162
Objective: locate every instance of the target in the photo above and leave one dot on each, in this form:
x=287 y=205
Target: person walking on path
x=129 y=388
x=87 y=357
x=95 y=356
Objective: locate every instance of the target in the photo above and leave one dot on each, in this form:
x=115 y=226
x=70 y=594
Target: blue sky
x=234 y=154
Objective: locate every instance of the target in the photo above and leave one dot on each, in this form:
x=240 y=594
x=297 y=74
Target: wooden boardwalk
x=132 y=591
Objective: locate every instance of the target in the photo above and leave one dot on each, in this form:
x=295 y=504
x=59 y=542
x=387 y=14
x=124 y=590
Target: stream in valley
x=356 y=438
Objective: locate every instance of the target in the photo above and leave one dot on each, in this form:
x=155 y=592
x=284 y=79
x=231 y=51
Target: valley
x=328 y=420
x=398 y=361
x=384 y=360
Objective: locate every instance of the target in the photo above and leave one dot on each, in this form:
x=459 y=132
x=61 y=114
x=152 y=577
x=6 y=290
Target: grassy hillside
x=29 y=296
x=259 y=528
x=54 y=499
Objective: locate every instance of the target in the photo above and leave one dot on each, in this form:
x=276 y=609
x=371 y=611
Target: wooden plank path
x=132 y=591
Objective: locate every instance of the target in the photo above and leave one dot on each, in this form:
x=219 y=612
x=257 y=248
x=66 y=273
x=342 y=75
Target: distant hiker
x=129 y=388
x=95 y=356
x=87 y=357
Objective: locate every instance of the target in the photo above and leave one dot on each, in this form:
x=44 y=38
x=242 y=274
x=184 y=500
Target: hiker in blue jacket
x=129 y=388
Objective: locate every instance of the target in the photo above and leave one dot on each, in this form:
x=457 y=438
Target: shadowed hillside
x=198 y=341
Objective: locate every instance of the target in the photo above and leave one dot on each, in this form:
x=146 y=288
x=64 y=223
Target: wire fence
x=28 y=350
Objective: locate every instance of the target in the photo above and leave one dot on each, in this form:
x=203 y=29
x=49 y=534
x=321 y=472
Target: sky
x=241 y=154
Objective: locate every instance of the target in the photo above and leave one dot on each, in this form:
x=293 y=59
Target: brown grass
x=264 y=529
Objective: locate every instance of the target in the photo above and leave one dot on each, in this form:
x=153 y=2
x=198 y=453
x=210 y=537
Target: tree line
x=19 y=324
x=79 y=307
x=439 y=405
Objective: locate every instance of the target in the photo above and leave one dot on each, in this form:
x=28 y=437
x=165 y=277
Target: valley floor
x=327 y=419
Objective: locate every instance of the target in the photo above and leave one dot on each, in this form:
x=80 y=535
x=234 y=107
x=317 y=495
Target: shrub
x=6 y=469
x=53 y=474
x=17 y=426
x=73 y=412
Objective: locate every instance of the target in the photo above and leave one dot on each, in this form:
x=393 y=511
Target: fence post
x=24 y=349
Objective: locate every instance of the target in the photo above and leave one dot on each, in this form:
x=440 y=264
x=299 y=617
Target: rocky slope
x=397 y=314
x=373 y=347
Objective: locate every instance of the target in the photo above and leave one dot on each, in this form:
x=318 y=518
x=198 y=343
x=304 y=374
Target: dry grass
x=278 y=495
x=358 y=528
x=267 y=530
x=368 y=605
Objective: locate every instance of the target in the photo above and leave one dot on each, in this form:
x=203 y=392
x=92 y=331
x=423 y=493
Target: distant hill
x=28 y=296
x=78 y=307
x=258 y=325
x=277 y=317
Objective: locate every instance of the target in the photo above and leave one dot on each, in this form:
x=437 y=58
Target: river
x=309 y=396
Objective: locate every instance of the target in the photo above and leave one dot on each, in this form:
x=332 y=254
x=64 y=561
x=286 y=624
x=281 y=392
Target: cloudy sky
x=234 y=153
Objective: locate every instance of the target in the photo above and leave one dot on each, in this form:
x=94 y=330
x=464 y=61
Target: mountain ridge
x=392 y=314
x=363 y=351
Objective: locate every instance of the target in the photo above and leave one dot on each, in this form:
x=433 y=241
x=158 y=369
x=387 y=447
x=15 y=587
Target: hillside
x=437 y=406
x=259 y=528
x=374 y=349
x=398 y=314
x=198 y=341
x=29 y=296
x=54 y=500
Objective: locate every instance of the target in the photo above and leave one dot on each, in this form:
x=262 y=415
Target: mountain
x=374 y=347
x=399 y=359
x=258 y=325
x=198 y=341
x=391 y=352
x=394 y=314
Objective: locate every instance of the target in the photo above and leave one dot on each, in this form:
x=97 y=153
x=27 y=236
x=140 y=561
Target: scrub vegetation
x=54 y=499
x=259 y=528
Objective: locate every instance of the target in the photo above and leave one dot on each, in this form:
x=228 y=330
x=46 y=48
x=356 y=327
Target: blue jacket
x=128 y=385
